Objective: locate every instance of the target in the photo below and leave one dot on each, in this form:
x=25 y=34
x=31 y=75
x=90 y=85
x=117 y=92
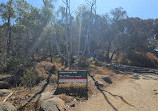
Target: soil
x=136 y=92
x=128 y=92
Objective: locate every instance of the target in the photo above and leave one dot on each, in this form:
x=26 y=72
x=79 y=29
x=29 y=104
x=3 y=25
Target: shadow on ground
x=106 y=98
x=36 y=94
x=145 y=76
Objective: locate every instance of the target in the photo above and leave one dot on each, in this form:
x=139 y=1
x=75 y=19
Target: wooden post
x=58 y=81
x=87 y=85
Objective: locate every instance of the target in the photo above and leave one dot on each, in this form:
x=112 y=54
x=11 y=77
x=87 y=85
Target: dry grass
x=76 y=85
x=100 y=70
x=45 y=65
x=122 y=59
x=141 y=59
x=53 y=78
x=19 y=97
x=42 y=68
x=152 y=57
x=74 y=89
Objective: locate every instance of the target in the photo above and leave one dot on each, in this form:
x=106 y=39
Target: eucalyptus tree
x=92 y=5
x=32 y=28
x=8 y=14
x=139 y=33
x=82 y=18
x=3 y=45
x=154 y=38
x=115 y=32
x=68 y=31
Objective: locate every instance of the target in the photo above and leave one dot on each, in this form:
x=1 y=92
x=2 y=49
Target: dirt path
x=139 y=93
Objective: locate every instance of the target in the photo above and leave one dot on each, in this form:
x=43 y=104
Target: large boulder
x=46 y=95
x=53 y=104
x=4 y=85
x=107 y=79
x=4 y=92
x=7 y=107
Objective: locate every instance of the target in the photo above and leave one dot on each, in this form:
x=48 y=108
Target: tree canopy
x=28 y=31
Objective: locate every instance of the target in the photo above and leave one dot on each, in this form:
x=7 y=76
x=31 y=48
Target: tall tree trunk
x=108 y=51
x=79 y=39
x=87 y=43
x=66 y=34
x=9 y=32
x=68 y=40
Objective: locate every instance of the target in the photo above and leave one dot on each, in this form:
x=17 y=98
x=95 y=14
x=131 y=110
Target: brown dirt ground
x=133 y=93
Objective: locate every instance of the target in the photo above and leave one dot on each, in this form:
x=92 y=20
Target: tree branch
x=44 y=2
x=64 y=2
x=88 y=2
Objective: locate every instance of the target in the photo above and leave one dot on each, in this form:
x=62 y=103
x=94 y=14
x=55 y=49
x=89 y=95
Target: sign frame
x=72 y=76
x=79 y=76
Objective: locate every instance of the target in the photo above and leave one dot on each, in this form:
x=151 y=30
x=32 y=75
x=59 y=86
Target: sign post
x=73 y=76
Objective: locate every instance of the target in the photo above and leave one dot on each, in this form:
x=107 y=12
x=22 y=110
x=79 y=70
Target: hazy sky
x=135 y=8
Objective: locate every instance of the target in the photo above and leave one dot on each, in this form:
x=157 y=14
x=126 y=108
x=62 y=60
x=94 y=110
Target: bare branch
x=64 y=2
x=94 y=2
x=88 y=2
x=44 y=2
x=67 y=4
x=8 y=97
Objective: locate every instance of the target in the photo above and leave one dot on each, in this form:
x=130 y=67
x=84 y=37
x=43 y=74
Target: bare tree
x=92 y=5
x=68 y=31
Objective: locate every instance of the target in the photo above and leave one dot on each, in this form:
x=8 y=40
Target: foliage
x=6 y=10
x=42 y=32
x=14 y=64
x=141 y=59
x=82 y=63
x=29 y=78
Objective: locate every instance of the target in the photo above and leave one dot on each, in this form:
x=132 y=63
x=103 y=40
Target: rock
x=46 y=95
x=53 y=104
x=72 y=105
x=4 y=85
x=7 y=107
x=107 y=79
x=4 y=92
x=99 y=83
x=74 y=99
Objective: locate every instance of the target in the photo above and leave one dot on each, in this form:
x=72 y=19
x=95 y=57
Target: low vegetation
x=74 y=89
x=141 y=59
x=37 y=42
x=30 y=78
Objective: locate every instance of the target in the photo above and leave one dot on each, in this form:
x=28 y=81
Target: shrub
x=101 y=55
x=30 y=78
x=13 y=64
x=141 y=59
x=82 y=63
x=74 y=89
x=52 y=69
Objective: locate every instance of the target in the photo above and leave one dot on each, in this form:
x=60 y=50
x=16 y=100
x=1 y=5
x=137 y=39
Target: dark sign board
x=72 y=76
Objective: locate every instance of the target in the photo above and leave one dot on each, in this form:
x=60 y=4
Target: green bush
x=13 y=64
x=29 y=78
